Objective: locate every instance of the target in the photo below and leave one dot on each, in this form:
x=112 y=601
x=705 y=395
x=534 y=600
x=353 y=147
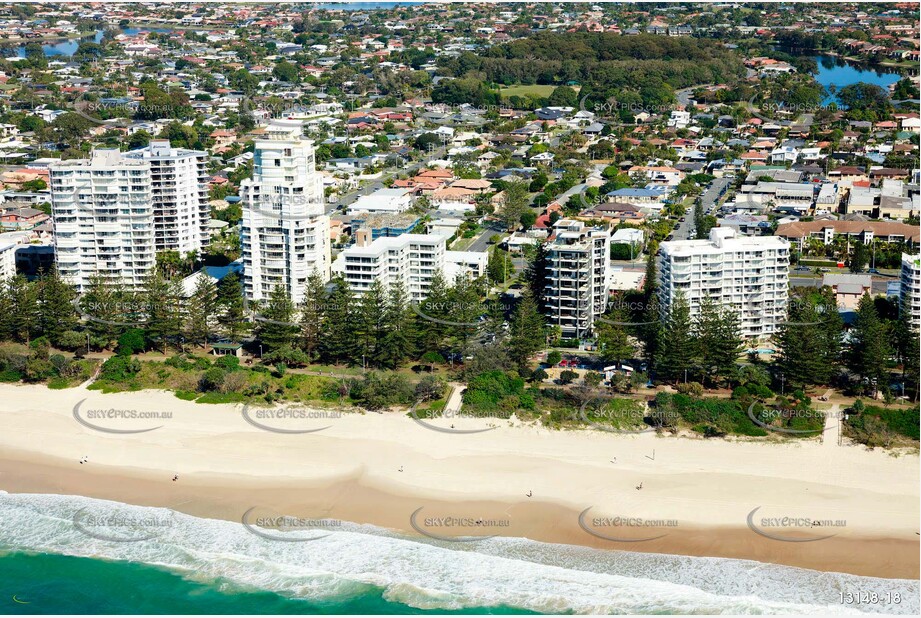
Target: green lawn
x=539 y=90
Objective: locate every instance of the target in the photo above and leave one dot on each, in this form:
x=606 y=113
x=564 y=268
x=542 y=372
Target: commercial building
x=781 y=196
x=285 y=231
x=103 y=216
x=180 y=196
x=749 y=274
x=578 y=273
x=910 y=291
x=383 y=200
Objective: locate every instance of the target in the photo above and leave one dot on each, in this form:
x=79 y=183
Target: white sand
x=700 y=483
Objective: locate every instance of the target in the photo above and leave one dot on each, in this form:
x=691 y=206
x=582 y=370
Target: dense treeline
x=456 y=322
x=641 y=70
x=381 y=328
x=589 y=47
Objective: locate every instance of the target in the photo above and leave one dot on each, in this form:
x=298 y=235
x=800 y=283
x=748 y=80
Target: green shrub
x=489 y=388
x=213 y=397
x=873 y=425
x=690 y=388
x=376 y=391
x=179 y=362
x=211 y=380
x=131 y=342
x=429 y=388
x=58 y=383
x=228 y=362
x=10 y=375
x=120 y=369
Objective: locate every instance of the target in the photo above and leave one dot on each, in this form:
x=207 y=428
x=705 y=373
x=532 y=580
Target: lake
x=839 y=73
x=57 y=48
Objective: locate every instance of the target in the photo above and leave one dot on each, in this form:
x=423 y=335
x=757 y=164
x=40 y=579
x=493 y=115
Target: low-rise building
x=781 y=196
x=409 y=260
x=383 y=200
x=862 y=231
x=849 y=288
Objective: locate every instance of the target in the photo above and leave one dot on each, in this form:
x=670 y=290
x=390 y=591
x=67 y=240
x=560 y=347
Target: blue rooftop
x=637 y=192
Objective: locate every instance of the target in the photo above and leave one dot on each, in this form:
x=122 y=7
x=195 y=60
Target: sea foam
x=434 y=575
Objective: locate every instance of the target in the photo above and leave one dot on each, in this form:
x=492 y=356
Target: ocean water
x=168 y=562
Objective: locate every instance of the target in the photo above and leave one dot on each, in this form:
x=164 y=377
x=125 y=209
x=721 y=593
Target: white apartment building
x=747 y=273
x=410 y=260
x=578 y=274
x=7 y=260
x=285 y=231
x=910 y=287
x=679 y=119
x=467 y=263
x=180 y=196
x=103 y=218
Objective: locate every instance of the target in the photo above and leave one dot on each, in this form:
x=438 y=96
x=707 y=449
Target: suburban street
x=378 y=183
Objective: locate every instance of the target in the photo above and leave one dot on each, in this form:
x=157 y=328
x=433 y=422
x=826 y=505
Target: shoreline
x=381 y=468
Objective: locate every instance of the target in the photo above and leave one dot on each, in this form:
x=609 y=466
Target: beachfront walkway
x=831 y=436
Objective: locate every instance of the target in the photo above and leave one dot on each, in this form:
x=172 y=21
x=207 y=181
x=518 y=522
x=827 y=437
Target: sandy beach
x=520 y=480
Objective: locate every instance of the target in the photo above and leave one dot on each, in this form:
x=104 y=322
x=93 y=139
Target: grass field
x=539 y=90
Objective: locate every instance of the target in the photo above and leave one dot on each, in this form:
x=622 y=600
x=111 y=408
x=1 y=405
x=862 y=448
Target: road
x=708 y=200
x=481 y=242
x=377 y=184
x=684 y=96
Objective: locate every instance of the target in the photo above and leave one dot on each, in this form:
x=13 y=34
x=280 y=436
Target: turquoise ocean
x=50 y=564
